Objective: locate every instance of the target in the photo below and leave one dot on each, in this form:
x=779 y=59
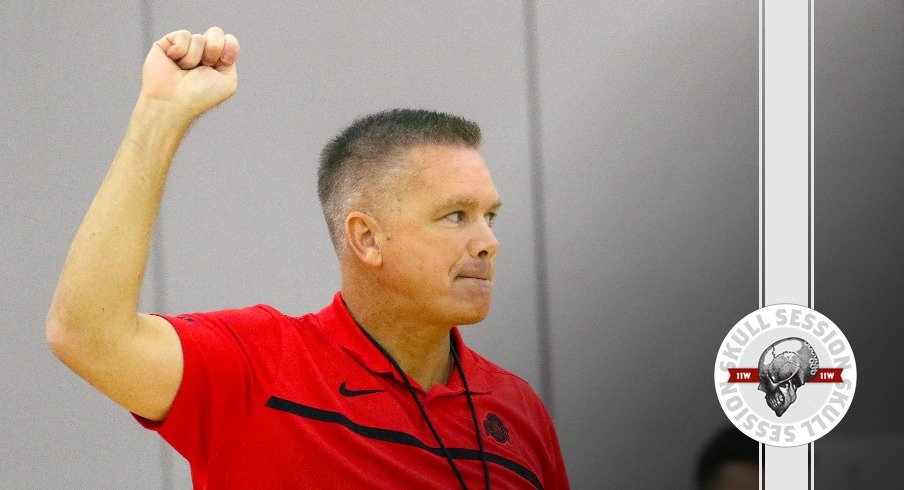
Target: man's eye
x=490 y=217
x=456 y=217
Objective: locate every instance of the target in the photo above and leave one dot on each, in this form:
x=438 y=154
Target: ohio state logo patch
x=785 y=375
x=493 y=426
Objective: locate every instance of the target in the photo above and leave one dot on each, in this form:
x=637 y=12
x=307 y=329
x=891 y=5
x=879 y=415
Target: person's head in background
x=729 y=462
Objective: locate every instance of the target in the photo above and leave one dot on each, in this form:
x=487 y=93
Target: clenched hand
x=196 y=72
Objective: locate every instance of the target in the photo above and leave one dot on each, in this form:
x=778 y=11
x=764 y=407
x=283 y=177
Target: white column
x=786 y=153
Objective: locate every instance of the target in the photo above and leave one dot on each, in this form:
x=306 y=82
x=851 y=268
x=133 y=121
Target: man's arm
x=93 y=325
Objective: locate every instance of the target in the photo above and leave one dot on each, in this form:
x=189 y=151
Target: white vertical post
x=785 y=191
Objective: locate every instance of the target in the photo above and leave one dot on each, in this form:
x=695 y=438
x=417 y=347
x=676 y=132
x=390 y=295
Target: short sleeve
x=554 y=474
x=230 y=361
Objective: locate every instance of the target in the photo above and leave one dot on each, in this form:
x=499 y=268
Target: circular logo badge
x=785 y=375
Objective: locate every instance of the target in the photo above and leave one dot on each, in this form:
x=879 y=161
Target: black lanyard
x=464 y=381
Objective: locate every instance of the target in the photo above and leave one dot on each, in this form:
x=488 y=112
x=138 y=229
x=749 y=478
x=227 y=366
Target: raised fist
x=194 y=71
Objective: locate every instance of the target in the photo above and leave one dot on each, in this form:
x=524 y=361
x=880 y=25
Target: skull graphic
x=784 y=367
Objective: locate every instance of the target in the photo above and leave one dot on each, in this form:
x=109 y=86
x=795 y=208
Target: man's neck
x=422 y=351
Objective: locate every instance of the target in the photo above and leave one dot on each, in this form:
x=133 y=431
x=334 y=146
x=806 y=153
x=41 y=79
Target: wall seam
x=544 y=346
x=158 y=256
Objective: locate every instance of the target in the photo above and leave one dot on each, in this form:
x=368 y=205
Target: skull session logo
x=781 y=374
x=785 y=375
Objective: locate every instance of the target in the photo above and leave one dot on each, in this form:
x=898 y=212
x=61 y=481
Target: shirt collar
x=336 y=318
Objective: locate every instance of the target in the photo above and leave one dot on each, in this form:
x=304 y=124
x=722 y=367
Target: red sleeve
x=230 y=361
x=554 y=475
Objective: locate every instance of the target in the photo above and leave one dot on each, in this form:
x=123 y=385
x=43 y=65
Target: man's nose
x=484 y=244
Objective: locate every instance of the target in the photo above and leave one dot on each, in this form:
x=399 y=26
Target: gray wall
x=650 y=136
x=859 y=222
x=647 y=145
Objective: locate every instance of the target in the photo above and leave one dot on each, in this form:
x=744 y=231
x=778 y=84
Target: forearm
x=101 y=279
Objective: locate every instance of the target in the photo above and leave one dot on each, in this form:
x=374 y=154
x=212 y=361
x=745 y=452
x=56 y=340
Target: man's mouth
x=479 y=271
x=480 y=278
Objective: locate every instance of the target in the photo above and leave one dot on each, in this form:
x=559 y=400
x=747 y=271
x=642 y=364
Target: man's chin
x=457 y=310
x=472 y=320
x=473 y=314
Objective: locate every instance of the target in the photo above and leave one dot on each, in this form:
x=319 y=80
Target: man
x=729 y=462
x=375 y=390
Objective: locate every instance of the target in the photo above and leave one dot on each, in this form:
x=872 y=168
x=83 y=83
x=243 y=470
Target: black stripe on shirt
x=397 y=437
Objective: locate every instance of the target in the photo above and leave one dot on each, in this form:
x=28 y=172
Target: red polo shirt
x=269 y=400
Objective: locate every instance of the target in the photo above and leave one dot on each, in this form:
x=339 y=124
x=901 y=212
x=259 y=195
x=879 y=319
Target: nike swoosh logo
x=347 y=392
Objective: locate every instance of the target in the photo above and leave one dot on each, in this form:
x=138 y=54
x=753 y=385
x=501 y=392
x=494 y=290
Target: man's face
x=438 y=245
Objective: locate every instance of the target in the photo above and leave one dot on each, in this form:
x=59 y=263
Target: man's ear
x=361 y=232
